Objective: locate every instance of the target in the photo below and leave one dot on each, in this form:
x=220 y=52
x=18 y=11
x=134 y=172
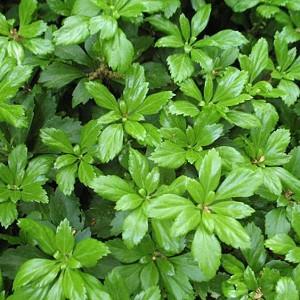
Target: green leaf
x=65 y=178
x=136 y=88
x=162 y=233
x=184 y=108
x=202 y=59
x=207 y=252
x=257 y=61
x=234 y=209
x=135 y=227
x=65 y=160
x=80 y=94
x=294 y=70
x=86 y=173
x=280 y=243
x=56 y=291
x=39 y=46
x=15 y=78
x=8 y=213
x=255 y=255
x=181 y=67
x=210 y=171
x=118 y=51
x=276 y=222
x=168 y=155
x=152 y=293
x=293 y=255
x=290 y=91
x=241 y=5
x=135 y=129
x=89 y=251
x=88 y=135
x=131 y=9
x=152 y=180
x=154 y=103
x=64 y=238
x=200 y=19
x=40 y=234
x=170 y=41
x=93 y=287
x=242 y=119
x=34 y=192
x=223 y=39
x=232 y=265
x=240 y=182
x=286 y=289
x=185 y=27
x=17 y=160
x=231 y=232
x=15 y=50
x=4 y=25
x=107 y=26
x=149 y=275
x=186 y=221
x=26 y=10
x=58 y=75
x=85 y=8
x=73 y=285
x=295 y=220
x=36 y=169
x=74 y=31
x=61 y=7
x=129 y=201
x=33 y=30
x=103 y=97
x=271 y=181
x=230 y=85
x=207 y=134
x=138 y=167
x=291 y=166
x=34 y=270
x=163 y=25
x=189 y=88
x=110 y=142
x=111 y=187
x=276 y=145
x=168 y=206
x=13 y=115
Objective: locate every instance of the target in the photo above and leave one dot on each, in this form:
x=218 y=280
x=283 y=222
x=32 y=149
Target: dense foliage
x=149 y=149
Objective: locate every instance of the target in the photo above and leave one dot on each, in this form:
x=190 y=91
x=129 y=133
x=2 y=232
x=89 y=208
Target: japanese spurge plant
x=60 y=277
x=209 y=211
x=149 y=149
x=21 y=180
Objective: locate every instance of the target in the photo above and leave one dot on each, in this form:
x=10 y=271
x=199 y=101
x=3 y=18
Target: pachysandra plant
x=127 y=115
x=216 y=102
x=185 y=143
x=210 y=211
x=149 y=149
x=287 y=70
x=60 y=277
x=135 y=198
x=76 y=161
x=184 y=37
x=101 y=17
x=151 y=265
x=11 y=79
x=21 y=180
x=28 y=34
x=265 y=151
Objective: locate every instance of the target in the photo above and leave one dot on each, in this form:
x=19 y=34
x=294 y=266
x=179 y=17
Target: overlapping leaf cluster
x=149 y=149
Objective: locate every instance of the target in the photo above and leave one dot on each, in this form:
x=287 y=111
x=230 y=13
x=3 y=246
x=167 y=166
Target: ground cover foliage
x=149 y=149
